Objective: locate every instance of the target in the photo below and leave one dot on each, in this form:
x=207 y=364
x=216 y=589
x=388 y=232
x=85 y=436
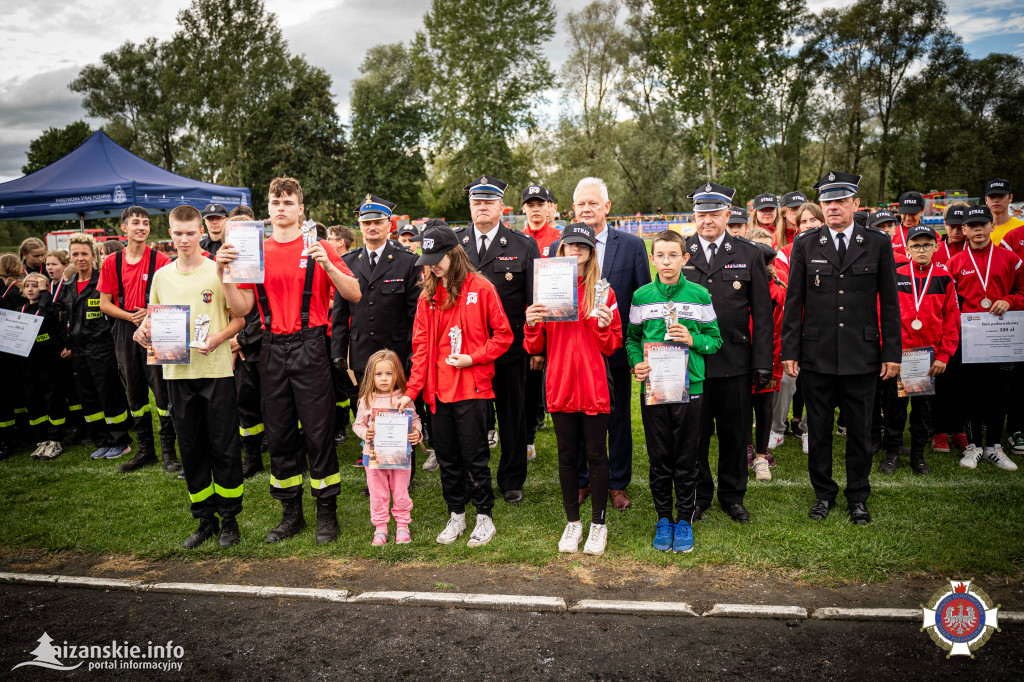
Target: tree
x=388 y=127
x=54 y=144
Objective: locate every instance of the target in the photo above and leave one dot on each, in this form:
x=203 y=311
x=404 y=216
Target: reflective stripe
x=21 y=410
x=138 y=413
x=228 y=492
x=320 y=484
x=251 y=431
x=74 y=408
x=118 y=419
x=4 y=425
x=344 y=403
x=162 y=413
x=90 y=418
x=300 y=425
x=286 y=483
x=38 y=420
x=202 y=494
x=57 y=422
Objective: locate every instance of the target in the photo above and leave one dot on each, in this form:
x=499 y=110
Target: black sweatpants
x=459 y=431
x=138 y=379
x=855 y=395
x=761 y=430
x=672 y=433
x=620 y=432
x=533 y=413
x=205 y=418
x=572 y=429
x=920 y=422
x=727 y=413
x=295 y=376
x=509 y=385
x=948 y=408
x=249 y=395
x=985 y=401
x=104 y=405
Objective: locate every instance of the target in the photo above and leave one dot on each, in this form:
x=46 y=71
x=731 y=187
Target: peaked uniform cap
x=835 y=185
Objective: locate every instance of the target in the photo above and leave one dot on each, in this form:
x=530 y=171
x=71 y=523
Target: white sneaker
x=597 y=540
x=971 y=456
x=38 y=452
x=775 y=440
x=492 y=438
x=761 y=470
x=431 y=462
x=571 y=537
x=996 y=455
x=456 y=527
x=483 y=532
x=53 y=449
x=531 y=453
x=805 y=442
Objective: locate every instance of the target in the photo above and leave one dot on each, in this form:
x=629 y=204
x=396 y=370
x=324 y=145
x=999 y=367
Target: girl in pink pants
x=382 y=388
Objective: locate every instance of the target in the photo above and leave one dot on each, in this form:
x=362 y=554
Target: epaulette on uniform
x=807 y=232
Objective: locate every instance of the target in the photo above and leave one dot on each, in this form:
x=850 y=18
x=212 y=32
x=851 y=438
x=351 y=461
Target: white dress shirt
x=706 y=245
x=848 y=235
x=602 y=245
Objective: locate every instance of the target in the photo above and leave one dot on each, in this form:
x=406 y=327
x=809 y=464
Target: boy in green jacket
x=672 y=429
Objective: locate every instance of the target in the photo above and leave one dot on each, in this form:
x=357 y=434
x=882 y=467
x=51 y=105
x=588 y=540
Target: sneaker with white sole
x=761 y=471
x=1016 y=443
x=775 y=440
x=53 y=449
x=597 y=540
x=483 y=532
x=804 y=441
x=971 y=456
x=996 y=455
x=431 y=462
x=492 y=438
x=571 y=536
x=456 y=527
x=38 y=452
x=531 y=452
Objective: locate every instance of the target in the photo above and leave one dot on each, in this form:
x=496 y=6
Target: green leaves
x=55 y=143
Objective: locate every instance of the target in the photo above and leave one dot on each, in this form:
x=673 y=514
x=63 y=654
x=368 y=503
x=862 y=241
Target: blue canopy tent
x=99 y=180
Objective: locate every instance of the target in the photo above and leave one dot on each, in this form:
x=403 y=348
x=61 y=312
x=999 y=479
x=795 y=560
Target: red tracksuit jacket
x=486 y=335
x=781 y=263
x=576 y=378
x=945 y=251
x=1014 y=241
x=939 y=311
x=1006 y=281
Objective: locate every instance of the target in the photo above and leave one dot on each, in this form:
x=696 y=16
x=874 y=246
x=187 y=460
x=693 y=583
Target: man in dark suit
x=389 y=280
x=624 y=263
x=505 y=257
x=841 y=330
x=732 y=270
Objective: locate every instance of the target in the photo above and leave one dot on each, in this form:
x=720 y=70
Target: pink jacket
x=362 y=422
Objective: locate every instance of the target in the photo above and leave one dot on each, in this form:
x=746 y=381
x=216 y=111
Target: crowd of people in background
x=788 y=313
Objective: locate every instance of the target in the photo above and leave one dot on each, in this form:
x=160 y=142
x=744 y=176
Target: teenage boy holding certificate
x=672 y=430
x=202 y=392
x=989 y=280
x=930 y=320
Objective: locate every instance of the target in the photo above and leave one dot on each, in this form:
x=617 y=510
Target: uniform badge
x=390 y=256
x=823 y=240
x=207 y=295
x=693 y=248
x=360 y=256
x=960 y=618
x=707 y=188
x=831 y=176
x=504 y=242
x=737 y=286
x=508 y=276
x=860 y=239
x=727 y=246
x=817 y=281
x=465 y=240
x=471 y=297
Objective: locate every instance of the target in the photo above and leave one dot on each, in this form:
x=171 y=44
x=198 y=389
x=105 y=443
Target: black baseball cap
x=765 y=201
x=408 y=229
x=737 y=216
x=911 y=203
x=535 y=192
x=955 y=215
x=922 y=231
x=215 y=209
x=551 y=197
x=998 y=186
x=793 y=199
x=579 y=233
x=883 y=216
x=978 y=213
x=767 y=252
x=438 y=239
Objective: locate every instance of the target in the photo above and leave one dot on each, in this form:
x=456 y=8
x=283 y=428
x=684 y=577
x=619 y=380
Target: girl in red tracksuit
x=577 y=386
x=458 y=307
x=807 y=216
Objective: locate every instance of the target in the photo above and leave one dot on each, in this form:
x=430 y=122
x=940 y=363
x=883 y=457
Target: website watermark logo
x=114 y=656
x=960 y=618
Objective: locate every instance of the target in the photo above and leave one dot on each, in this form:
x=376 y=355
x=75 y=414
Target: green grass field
x=954 y=521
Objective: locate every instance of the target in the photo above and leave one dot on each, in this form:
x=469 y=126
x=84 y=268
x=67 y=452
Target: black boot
x=167 y=453
x=918 y=465
x=207 y=529
x=292 y=522
x=888 y=466
x=326 y=520
x=143 y=457
x=252 y=461
x=75 y=436
x=229 y=534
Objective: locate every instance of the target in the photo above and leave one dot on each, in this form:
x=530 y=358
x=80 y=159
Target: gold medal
x=916 y=324
x=508 y=276
x=737 y=286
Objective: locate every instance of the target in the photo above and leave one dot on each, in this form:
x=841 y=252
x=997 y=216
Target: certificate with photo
x=992 y=338
x=390 y=448
x=18 y=332
x=913 y=379
x=168 y=335
x=247 y=238
x=669 y=379
x=554 y=285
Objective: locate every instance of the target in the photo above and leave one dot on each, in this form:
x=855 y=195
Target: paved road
x=270 y=639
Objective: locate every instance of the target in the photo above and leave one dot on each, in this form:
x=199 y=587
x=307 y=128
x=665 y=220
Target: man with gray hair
x=624 y=263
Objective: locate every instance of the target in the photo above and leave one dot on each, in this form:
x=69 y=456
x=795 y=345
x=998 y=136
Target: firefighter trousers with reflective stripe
x=104 y=405
x=247 y=388
x=138 y=378
x=205 y=419
x=47 y=411
x=295 y=375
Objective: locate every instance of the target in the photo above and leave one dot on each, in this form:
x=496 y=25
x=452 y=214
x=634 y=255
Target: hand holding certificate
x=247 y=239
x=915 y=376
x=554 y=287
x=992 y=338
x=168 y=335
x=18 y=332
x=391 y=446
x=668 y=379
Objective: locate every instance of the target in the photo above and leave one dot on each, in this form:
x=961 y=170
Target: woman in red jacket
x=577 y=386
x=460 y=329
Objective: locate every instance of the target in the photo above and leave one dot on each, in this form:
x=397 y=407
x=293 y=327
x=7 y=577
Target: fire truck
x=58 y=240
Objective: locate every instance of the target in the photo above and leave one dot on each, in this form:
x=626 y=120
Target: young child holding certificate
x=930 y=320
x=47 y=411
x=577 y=385
x=672 y=429
x=382 y=388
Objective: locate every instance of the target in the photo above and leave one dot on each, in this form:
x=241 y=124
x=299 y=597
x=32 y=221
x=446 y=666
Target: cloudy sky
x=44 y=43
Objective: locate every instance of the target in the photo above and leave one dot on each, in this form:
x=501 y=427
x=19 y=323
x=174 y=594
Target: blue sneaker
x=116 y=451
x=683 y=540
x=99 y=454
x=663 y=535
